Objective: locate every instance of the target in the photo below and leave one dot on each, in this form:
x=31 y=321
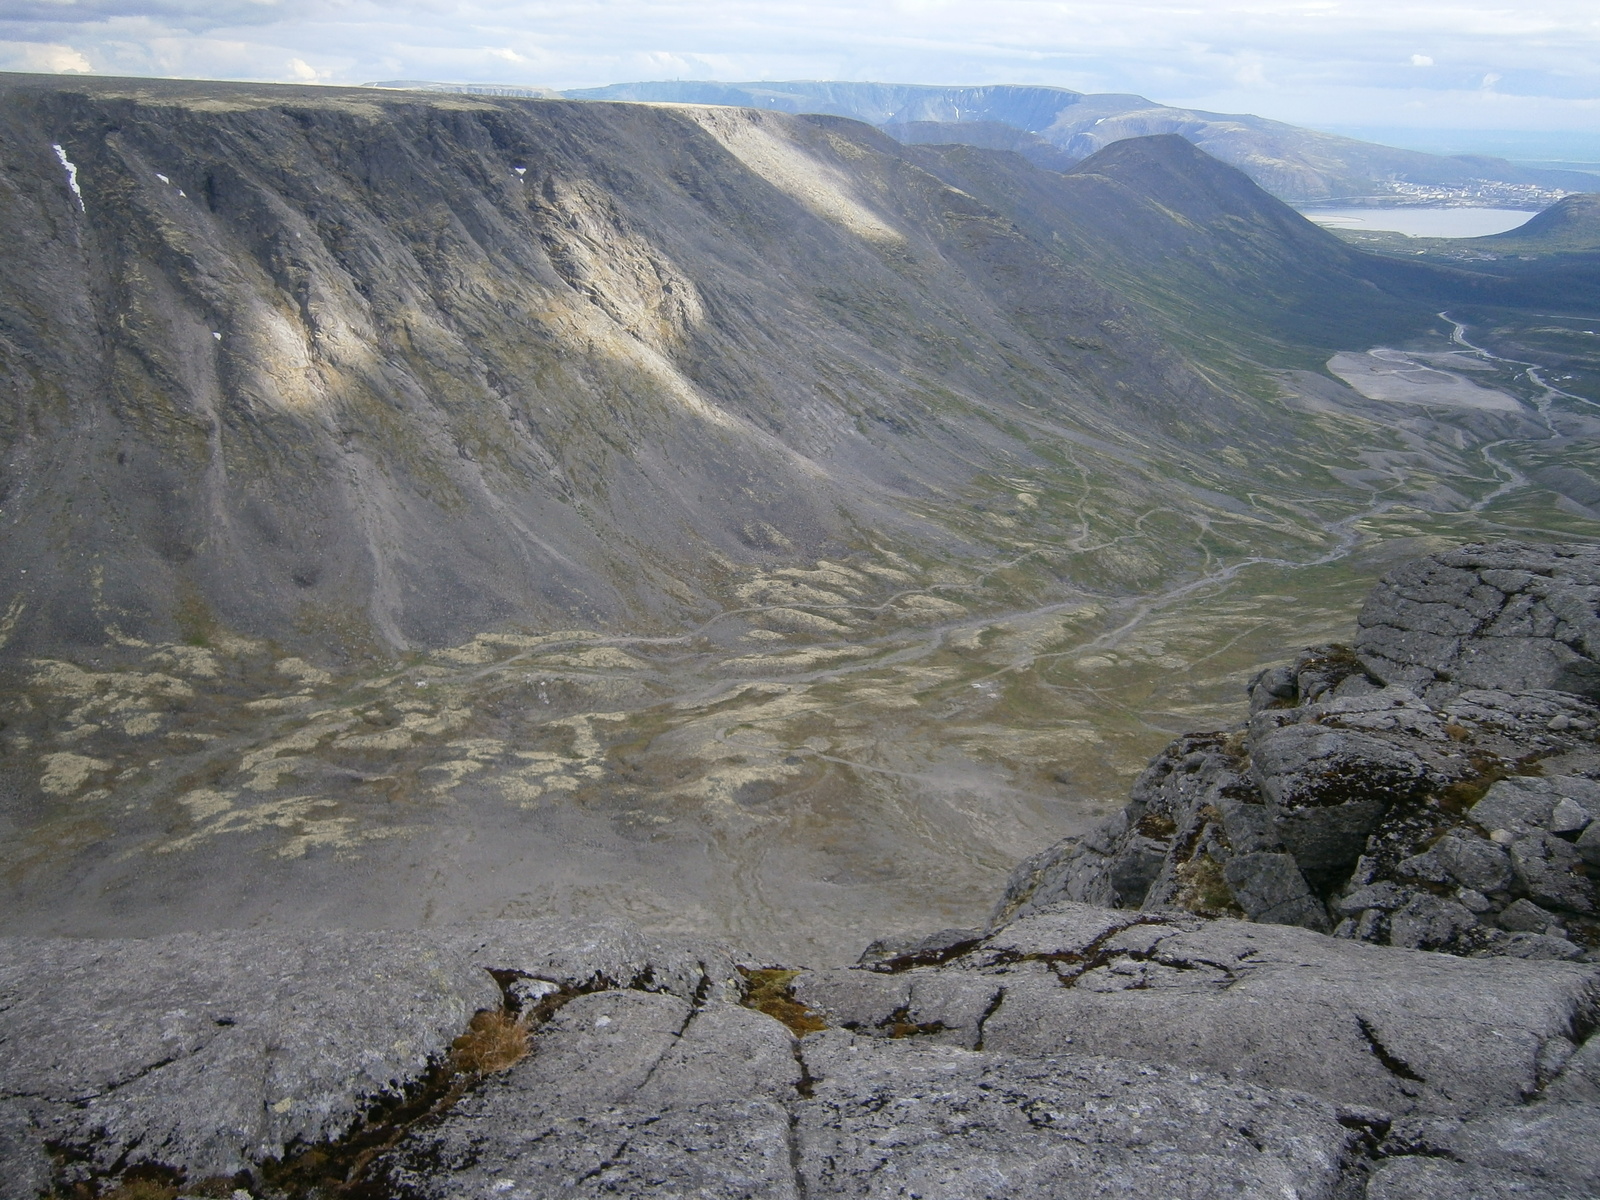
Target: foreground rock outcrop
x=240 y=1057
x=1078 y=1050
x=1434 y=786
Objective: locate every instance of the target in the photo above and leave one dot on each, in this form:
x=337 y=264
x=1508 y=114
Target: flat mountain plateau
x=423 y=508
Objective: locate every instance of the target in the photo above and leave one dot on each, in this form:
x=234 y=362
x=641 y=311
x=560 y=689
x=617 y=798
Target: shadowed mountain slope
x=1571 y=224
x=986 y=135
x=1299 y=165
x=376 y=371
x=1227 y=265
x=1222 y=265
x=344 y=368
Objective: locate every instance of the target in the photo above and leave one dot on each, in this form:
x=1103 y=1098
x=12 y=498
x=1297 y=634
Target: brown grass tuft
x=1203 y=889
x=767 y=991
x=1489 y=769
x=216 y=1187
x=494 y=1041
x=141 y=1189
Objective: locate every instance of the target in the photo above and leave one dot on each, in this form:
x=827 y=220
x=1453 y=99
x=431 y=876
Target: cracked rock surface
x=216 y=1050
x=1508 y=616
x=1075 y=1051
x=210 y=1053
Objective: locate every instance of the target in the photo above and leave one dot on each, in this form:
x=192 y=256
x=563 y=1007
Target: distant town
x=1480 y=193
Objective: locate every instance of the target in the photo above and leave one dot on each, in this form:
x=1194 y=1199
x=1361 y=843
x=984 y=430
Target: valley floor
x=861 y=746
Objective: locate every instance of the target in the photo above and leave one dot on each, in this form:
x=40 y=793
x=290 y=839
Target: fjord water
x=1424 y=222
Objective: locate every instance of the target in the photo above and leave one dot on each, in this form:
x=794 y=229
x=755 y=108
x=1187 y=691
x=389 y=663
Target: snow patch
x=72 y=173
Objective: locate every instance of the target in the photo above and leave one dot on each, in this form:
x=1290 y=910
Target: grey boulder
x=1270 y=888
x=209 y=1052
x=1513 y=616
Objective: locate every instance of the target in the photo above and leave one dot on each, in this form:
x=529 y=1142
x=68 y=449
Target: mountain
x=379 y=370
x=1299 y=165
x=1571 y=224
x=1551 y=262
x=469 y=89
x=1239 y=267
x=986 y=135
x=419 y=506
x=386 y=372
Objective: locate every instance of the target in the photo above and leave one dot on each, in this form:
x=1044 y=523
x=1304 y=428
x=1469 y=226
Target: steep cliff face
x=383 y=371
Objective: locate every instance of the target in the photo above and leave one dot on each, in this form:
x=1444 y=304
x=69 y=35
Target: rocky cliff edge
x=1431 y=786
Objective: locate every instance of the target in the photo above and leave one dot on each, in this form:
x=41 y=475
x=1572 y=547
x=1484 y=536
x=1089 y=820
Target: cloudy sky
x=1418 y=64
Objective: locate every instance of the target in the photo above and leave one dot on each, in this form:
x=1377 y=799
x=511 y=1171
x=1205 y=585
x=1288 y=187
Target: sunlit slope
x=359 y=370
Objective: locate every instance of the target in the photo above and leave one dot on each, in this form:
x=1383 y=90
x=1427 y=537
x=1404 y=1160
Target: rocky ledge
x=1431 y=787
x=1107 y=1035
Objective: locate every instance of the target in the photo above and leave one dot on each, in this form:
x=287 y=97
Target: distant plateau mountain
x=1055 y=127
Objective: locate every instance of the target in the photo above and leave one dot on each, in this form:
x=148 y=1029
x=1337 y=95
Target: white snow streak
x=72 y=173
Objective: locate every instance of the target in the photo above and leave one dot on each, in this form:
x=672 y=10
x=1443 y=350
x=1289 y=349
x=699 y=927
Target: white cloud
x=1312 y=61
x=1251 y=72
x=301 y=69
x=44 y=56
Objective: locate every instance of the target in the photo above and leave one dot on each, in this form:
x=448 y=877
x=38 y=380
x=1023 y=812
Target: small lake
x=1423 y=222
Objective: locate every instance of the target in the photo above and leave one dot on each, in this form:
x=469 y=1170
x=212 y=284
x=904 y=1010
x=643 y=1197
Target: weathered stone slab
x=25 y=1167
x=1513 y=616
x=729 y=1151
x=584 y=954
x=1552 y=1142
x=1363 y=1025
x=1432 y=1178
x=1076 y=1051
x=624 y=1093
x=209 y=1052
x=891 y=1120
